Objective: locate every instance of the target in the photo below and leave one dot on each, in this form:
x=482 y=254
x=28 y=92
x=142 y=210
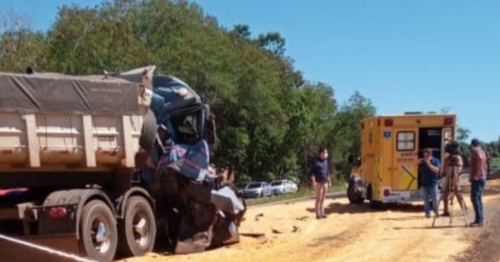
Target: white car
x=257 y=189
x=283 y=186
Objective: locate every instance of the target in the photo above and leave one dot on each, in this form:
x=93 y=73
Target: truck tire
x=98 y=233
x=148 y=132
x=138 y=228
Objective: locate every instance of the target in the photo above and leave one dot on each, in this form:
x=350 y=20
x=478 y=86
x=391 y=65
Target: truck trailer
x=102 y=166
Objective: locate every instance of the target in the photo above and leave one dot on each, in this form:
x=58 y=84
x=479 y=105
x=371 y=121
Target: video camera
x=452 y=148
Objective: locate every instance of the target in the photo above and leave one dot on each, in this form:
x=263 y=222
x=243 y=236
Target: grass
x=300 y=194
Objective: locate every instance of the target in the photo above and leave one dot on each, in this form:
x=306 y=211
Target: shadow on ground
x=484 y=241
x=339 y=208
x=457 y=224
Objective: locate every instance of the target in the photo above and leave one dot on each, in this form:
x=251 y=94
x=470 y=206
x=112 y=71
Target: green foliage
x=271 y=121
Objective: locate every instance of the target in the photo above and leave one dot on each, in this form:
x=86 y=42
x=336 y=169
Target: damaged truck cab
x=200 y=208
x=387 y=170
x=110 y=165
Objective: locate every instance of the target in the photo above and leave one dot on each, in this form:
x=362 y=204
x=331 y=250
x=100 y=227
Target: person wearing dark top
x=477 y=178
x=429 y=171
x=320 y=176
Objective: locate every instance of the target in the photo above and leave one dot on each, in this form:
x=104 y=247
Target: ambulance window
x=406 y=141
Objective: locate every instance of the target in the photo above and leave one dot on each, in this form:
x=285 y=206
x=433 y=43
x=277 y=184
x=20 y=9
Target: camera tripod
x=449 y=186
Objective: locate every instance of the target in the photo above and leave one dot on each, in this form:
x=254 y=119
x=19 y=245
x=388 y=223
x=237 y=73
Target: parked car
x=294 y=187
x=283 y=186
x=240 y=187
x=243 y=185
x=257 y=189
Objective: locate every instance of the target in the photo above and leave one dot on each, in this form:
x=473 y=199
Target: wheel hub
x=100 y=235
x=141 y=229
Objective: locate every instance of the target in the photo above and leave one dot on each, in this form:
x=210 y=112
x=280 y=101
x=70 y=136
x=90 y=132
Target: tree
x=462 y=134
x=345 y=137
x=271 y=120
x=20 y=45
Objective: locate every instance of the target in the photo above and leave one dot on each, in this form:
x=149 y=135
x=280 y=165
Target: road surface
x=350 y=233
x=355 y=233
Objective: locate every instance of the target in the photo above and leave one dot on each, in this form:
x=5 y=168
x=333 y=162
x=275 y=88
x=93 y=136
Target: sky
x=403 y=55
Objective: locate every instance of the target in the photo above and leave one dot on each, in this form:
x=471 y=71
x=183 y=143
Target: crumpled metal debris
x=197 y=216
x=198 y=204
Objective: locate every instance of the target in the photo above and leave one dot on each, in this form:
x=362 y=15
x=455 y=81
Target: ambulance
x=387 y=169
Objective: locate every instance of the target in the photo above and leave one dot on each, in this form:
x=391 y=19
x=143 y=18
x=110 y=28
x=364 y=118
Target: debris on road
x=254 y=235
x=339 y=237
x=275 y=231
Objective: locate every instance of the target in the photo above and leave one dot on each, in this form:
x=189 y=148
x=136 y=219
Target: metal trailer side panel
x=62 y=123
x=67 y=141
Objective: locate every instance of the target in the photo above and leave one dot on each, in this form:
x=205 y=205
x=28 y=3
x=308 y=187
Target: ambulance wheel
x=374 y=204
x=353 y=196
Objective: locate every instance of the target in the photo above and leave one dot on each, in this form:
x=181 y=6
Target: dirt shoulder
x=354 y=233
x=485 y=243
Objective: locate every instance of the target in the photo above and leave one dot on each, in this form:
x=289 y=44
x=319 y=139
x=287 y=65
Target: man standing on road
x=429 y=169
x=320 y=181
x=478 y=174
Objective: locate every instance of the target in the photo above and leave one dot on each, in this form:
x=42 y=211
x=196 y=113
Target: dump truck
x=105 y=166
x=387 y=169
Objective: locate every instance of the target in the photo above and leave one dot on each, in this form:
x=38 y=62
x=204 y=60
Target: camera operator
x=452 y=167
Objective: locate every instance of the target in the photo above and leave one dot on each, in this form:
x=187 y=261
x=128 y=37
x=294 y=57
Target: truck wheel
x=98 y=234
x=138 y=230
x=148 y=132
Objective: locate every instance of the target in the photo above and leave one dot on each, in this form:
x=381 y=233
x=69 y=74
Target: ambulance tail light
x=388 y=122
x=448 y=121
x=387 y=192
